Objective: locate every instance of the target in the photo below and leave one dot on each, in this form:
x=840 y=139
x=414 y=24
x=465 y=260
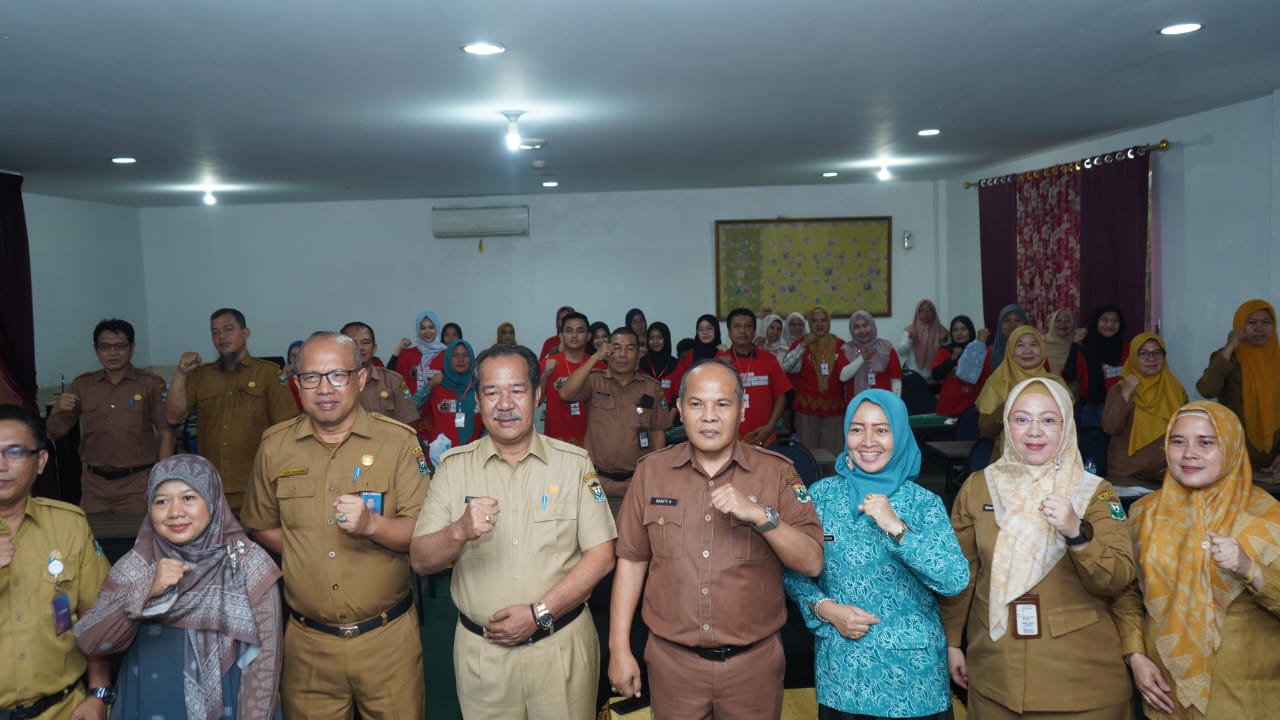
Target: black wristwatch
x=1086 y=534
x=542 y=616
x=106 y=694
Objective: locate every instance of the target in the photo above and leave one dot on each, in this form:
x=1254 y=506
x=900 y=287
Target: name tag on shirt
x=988 y=508
x=828 y=538
x=1024 y=616
x=871 y=378
x=666 y=384
x=672 y=502
x=459 y=420
x=824 y=369
x=575 y=408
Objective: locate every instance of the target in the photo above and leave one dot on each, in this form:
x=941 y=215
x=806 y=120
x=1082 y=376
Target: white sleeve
x=848 y=371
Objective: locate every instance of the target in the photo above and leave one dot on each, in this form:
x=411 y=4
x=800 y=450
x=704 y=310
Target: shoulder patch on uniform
x=421 y=458
x=97 y=549
x=407 y=395
x=284 y=380
x=291 y=472
x=797 y=487
x=1117 y=509
x=1108 y=496
x=586 y=479
x=597 y=490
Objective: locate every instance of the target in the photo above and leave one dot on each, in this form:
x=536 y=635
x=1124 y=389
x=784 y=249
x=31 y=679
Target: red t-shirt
x=547 y=346
x=763 y=380
x=881 y=380
x=956 y=395
x=439 y=416
x=808 y=399
x=565 y=421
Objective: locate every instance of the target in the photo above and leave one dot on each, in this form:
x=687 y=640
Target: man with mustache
x=523 y=520
x=236 y=398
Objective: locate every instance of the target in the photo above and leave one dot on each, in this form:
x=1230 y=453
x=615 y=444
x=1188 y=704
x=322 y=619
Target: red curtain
x=1048 y=246
x=17 y=325
x=998 y=230
x=1114 y=213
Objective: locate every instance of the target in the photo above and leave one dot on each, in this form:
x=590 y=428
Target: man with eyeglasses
x=385 y=393
x=234 y=398
x=123 y=429
x=50 y=571
x=336 y=492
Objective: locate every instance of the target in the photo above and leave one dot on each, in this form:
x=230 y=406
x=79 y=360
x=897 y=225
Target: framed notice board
x=792 y=265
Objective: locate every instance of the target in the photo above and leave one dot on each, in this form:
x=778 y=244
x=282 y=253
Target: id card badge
x=746 y=400
x=575 y=409
x=1024 y=616
x=459 y=420
x=871 y=378
x=372 y=501
x=643 y=436
x=61 y=612
x=824 y=369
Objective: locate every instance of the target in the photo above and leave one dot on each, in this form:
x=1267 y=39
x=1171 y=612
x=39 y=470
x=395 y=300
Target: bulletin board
x=789 y=265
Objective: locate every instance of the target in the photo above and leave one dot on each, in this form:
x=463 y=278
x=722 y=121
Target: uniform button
x=24 y=692
x=342 y=616
x=706 y=553
x=516 y=541
x=22 y=656
x=332 y=554
x=329 y=521
x=662 y=521
x=335 y=586
x=705 y=628
x=711 y=483
x=706 y=591
x=707 y=517
x=18 y=617
x=332 y=488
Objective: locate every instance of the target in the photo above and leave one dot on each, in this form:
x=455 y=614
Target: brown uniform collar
x=537 y=448
x=305 y=429
x=684 y=456
x=129 y=371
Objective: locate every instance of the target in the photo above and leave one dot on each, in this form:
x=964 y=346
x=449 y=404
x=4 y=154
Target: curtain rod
x=1077 y=166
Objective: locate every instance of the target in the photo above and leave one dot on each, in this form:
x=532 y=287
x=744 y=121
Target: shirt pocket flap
x=372 y=482
x=295 y=487
x=663 y=515
x=1069 y=620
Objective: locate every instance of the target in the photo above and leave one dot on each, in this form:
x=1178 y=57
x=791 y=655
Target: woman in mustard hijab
x=1023 y=358
x=1200 y=628
x=1245 y=376
x=1137 y=411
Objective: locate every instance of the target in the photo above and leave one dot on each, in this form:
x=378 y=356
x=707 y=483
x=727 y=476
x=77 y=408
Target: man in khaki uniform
x=234 y=399
x=711 y=523
x=50 y=571
x=123 y=430
x=335 y=492
x=628 y=415
x=523 y=519
x=386 y=392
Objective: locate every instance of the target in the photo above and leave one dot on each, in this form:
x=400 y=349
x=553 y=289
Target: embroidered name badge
x=828 y=538
x=988 y=508
x=293 y=471
x=671 y=502
x=603 y=394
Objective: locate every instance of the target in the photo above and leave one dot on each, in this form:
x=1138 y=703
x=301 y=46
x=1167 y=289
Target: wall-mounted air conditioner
x=479 y=221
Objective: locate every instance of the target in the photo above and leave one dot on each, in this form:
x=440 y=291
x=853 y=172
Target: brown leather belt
x=537 y=635
x=617 y=477
x=117 y=474
x=349 y=631
x=38 y=707
x=719 y=654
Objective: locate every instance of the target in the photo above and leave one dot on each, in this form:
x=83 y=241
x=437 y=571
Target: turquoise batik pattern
x=899 y=669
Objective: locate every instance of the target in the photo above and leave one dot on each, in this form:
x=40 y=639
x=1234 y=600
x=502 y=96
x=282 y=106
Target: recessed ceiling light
x=1180 y=29
x=884 y=174
x=929 y=132
x=532 y=143
x=830 y=174
x=483 y=48
x=209 y=199
x=550 y=183
x=124 y=160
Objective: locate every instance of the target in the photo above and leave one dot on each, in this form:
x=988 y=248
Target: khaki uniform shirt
x=118 y=423
x=386 y=394
x=232 y=409
x=1078 y=647
x=38 y=660
x=713 y=579
x=617 y=414
x=552 y=509
x=329 y=575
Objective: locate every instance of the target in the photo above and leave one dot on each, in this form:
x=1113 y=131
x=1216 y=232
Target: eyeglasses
x=16 y=453
x=337 y=378
x=108 y=347
x=1150 y=354
x=1047 y=423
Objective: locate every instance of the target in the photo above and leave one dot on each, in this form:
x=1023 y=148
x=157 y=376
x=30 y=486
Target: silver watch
x=542 y=616
x=771 y=520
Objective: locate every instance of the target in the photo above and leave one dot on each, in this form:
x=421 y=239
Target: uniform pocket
x=250 y=400
x=1070 y=620
x=555 y=531
x=295 y=495
x=745 y=543
x=665 y=525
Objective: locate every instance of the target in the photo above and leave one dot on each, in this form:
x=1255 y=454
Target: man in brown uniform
x=123 y=430
x=523 y=520
x=234 y=399
x=385 y=393
x=335 y=492
x=712 y=523
x=628 y=414
x=50 y=570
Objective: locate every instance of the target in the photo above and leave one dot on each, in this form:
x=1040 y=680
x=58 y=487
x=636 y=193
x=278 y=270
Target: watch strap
x=771 y=520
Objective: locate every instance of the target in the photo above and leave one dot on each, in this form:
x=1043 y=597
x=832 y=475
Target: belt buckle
x=719 y=654
x=347 y=632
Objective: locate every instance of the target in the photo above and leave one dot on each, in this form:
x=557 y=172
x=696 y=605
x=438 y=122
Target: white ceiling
x=317 y=100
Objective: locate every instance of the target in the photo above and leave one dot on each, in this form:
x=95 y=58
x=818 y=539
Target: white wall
x=297 y=267
x=86 y=265
x=1215 y=212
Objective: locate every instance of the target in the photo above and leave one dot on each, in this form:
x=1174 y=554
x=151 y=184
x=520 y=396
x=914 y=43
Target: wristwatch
x=771 y=520
x=106 y=694
x=542 y=616
x=897 y=537
x=1086 y=534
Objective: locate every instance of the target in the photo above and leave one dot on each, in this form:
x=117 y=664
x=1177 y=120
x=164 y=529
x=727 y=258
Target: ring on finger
x=488 y=518
x=342 y=518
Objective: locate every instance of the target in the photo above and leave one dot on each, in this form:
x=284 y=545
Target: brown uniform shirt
x=713 y=579
x=1117 y=421
x=552 y=510
x=330 y=576
x=387 y=394
x=232 y=410
x=118 y=423
x=617 y=413
x=37 y=659
x=1078 y=647
x=1223 y=380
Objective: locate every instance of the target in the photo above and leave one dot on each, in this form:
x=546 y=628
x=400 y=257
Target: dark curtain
x=17 y=325
x=1114 y=212
x=998 y=236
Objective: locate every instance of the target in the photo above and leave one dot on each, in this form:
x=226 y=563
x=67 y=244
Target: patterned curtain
x=1048 y=244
